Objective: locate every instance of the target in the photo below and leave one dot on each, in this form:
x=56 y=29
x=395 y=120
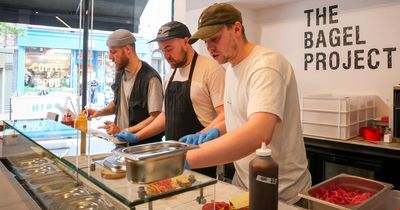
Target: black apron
x=181 y=119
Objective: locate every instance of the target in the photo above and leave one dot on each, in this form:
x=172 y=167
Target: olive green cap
x=213 y=19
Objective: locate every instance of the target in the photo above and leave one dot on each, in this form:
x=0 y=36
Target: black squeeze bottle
x=263 y=188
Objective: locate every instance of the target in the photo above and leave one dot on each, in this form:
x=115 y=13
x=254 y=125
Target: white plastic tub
x=331 y=131
x=329 y=117
x=337 y=103
x=336 y=116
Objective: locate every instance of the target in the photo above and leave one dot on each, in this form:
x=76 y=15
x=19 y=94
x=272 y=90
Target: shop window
x=157 y=61
x=106 y=75
x=46 y=70
x=108 y=15
x=7 y=81
x=48 y=54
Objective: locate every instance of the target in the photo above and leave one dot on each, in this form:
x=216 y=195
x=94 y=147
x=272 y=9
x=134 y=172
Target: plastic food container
x=371 y=134
x=155 y=161
x=336 y=116
x=379 y=190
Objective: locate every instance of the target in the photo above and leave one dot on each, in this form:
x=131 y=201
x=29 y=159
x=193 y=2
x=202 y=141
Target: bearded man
x=138 y=93
x=193 y=88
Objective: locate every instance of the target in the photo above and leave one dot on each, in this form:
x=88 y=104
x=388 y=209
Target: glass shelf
x=64 y=144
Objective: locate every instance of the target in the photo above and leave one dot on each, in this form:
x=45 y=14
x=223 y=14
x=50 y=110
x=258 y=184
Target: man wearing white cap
x=138 y=93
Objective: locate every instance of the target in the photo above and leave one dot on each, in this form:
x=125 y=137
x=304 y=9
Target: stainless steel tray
x=32 y=163
x=89 y=202
x=156 y=161
x=56 y=187
x=115 y=163
x=28 y=161
x=39 y=171
x=36 y=181
x=379 y=192
x=64 y=195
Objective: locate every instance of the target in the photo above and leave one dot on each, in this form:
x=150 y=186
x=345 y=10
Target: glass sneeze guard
x=64 y=144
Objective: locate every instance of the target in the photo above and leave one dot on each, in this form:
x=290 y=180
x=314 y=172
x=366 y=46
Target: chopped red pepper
x=218 y=206
x=342 y=196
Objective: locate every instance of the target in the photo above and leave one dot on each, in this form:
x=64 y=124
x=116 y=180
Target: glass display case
x=59 y=165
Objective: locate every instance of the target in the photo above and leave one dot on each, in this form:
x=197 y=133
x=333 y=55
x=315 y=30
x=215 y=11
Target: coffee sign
x=46 y=67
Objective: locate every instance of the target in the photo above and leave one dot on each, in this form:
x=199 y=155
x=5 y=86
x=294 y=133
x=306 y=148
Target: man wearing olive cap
x=137 y=89
x=261 y=105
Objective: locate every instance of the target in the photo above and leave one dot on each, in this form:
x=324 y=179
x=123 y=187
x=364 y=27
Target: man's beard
x=182 y=62
x=122 y=64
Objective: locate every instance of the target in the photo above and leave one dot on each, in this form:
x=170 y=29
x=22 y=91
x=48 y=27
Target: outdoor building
x=41 y=66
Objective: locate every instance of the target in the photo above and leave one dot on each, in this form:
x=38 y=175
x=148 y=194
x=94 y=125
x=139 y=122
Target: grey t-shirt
x=154 y=97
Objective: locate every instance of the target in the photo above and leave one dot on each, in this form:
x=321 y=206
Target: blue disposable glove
x=199 y=138
x=191 y=138
x=209 y=135
x=128 y=137
x=187 y=166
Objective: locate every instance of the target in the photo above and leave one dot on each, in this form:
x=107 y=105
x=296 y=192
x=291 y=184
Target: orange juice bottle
x=81 y=124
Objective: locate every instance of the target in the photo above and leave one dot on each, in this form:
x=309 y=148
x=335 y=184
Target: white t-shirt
x=265 y=82
x=207 y=87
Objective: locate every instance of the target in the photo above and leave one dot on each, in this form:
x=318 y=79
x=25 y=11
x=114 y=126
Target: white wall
x=155 y=14
x=283 y=29
x=179 y=6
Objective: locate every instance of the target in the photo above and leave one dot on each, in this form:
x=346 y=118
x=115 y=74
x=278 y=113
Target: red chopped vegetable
x=218 y=206
x=342 y=196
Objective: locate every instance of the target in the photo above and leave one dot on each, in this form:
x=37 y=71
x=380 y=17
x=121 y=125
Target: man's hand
x=92 y=113
x=199 y=138
x=112 y=128
x=128 y=137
